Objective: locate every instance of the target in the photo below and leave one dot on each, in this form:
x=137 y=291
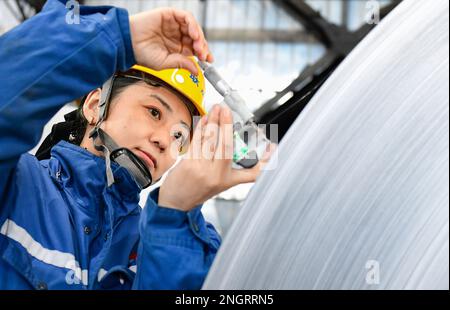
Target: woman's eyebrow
x=167 y=106
x=187 y=126
x=163 y=102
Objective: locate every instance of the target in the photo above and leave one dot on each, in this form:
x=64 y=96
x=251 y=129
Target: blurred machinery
x=339 y=42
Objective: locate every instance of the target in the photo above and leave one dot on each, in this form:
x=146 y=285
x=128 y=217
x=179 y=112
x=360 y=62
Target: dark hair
x=75 y=125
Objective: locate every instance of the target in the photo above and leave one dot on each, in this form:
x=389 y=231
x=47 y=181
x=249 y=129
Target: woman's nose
x=161 y=138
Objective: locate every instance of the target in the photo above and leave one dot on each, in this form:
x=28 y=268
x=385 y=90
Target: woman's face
x=152 y=122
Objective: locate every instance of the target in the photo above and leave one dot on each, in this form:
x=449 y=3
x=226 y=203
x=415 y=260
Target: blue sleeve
x=176 y=248
x=45 y=63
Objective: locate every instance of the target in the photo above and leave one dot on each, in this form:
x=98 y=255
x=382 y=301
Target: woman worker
x=69 y=218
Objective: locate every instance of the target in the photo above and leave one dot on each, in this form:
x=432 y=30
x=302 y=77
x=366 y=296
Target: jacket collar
x=83 y=174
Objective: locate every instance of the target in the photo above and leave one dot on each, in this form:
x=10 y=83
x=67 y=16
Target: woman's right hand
x=163 y=38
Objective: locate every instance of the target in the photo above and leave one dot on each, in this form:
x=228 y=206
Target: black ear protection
x=73 y=130
x=122 y=156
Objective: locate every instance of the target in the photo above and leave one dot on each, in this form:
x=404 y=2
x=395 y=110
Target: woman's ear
x=90 y=106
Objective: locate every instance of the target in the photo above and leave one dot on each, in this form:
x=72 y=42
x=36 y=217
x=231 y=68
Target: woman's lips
x=151 y=162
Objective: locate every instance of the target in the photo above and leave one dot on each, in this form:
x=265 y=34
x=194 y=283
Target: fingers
x=205 y=47
x=210 y=58
x=225 y=142
x=196 y=144
x=211 y=133
x=240 y=176
x=187 y=46
x=250 y=175
x=270 y=150
x=189 y=27
x=213 y=136
x=180 y=61
x=187 y=19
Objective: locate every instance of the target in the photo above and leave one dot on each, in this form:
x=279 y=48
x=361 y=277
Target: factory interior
x=358 y=93
x=274 y=52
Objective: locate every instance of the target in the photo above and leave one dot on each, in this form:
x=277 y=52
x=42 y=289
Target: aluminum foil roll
x=359 y=198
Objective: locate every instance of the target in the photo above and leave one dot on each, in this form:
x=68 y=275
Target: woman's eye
x=179 y=135
x=155 y=113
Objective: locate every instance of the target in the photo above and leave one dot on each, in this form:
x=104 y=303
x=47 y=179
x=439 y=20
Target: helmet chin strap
x=122 y=156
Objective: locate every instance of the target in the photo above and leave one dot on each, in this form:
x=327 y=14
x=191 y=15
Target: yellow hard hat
x=189 y=85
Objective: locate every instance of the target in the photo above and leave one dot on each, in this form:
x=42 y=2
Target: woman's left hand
x=207 y=169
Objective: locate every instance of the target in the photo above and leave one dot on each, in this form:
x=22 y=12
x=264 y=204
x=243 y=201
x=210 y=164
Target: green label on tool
x=240 y=148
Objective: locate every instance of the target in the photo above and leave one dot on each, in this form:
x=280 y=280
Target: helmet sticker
x=194 y=79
